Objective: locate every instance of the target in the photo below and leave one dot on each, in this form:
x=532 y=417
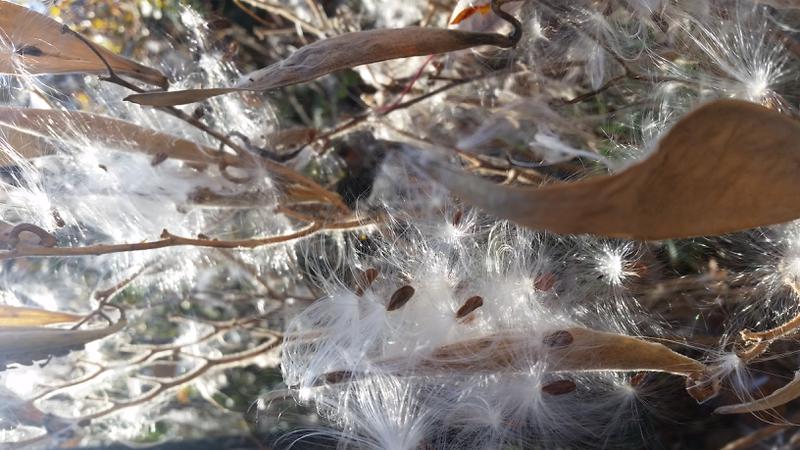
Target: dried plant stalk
x=35 y=44
x=340 y=52
x=728 y=166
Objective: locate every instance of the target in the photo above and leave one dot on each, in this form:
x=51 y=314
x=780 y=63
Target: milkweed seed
x=457 y=217
x=559 y=387
x=365 y=280
x=470 y=305
x=400 y=298
x=561 y=338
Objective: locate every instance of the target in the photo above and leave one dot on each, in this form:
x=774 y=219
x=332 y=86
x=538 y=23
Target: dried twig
x=170 y=240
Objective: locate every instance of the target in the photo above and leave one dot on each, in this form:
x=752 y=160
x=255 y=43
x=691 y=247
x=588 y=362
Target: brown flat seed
x=559 y=387
x=371 y=275
x=57 y=217
x=338 y=377
x=561 y=338
x=470 y=305
x=545 y=282
x=400 y=298
x=29 y=50
x=702 y=386
x=637 y=379
x=365 y=280
x=457 y=217
x=158 y=158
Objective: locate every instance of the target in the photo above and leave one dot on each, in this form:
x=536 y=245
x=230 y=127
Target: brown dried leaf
x=36 y=44
x=337 y=53
x=780 y=397
x=728 y=166
x=30 y=132
x=15 y=316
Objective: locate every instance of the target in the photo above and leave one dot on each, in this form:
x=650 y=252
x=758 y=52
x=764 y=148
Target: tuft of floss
x=739 y=56
x=767 y=260
x=87 y=195
x=476 y=278
x=439 y=279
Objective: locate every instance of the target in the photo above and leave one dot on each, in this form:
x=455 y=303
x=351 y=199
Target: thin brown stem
x=170 y=240
x=286 y=14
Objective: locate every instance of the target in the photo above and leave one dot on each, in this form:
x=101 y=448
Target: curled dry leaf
x=31 y=43
x=337 y=53
x=728 y=166
x=15 y=316
x=26 y=344
x=33 y=132
x=780 y=397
